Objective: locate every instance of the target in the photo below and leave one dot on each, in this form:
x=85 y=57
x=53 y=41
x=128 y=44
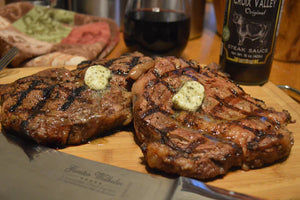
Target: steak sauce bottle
x=248 y=39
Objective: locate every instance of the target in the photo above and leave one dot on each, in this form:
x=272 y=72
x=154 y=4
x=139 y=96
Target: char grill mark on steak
x=71 y=98
x=121 y=67
x=178 y=72
x=153 y=108
x=134 y=61
x=222 y=102
x=46 y=95
x=120 y=72
x=37 y=108
x=164 y=132
x=128 y=65
x=259 y=133
x=23 y=95
x=86 y=62
x=225 y=103
x=109 y=63
x=258 y=110
x=114 y=64
x=184 y=152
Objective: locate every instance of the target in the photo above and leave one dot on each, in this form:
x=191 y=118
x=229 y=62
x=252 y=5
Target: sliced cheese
x=97 y=77
x=189 y=97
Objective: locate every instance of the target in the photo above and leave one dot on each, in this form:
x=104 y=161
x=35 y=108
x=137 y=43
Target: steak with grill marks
x=126 y=69
x=55 y=108
x=229 y=129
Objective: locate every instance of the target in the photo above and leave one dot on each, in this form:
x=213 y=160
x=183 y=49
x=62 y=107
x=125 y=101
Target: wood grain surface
x=278 y=181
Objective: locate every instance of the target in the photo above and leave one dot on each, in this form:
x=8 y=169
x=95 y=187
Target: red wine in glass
x=165 y=32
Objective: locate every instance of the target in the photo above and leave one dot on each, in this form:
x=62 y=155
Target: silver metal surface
x=292 y=92
x=113 y=9
x=289 y=88
x=29 y=171
x=190 y=189
x=7 y=58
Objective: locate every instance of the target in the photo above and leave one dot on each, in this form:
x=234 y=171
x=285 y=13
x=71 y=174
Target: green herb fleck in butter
x=189 y=97
x=97 y=77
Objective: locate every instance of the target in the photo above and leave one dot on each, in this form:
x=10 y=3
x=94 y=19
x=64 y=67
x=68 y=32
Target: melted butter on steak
x=189 y=97
x=97 y=77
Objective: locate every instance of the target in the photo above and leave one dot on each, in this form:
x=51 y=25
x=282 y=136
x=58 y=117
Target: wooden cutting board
x=278 y=181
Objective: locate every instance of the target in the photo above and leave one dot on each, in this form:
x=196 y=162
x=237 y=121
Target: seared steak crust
x=126 y=69
x=229 y=129
x=55 y=107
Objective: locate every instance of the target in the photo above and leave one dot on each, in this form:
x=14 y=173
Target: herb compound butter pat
x=97 y=77
x=189 y=97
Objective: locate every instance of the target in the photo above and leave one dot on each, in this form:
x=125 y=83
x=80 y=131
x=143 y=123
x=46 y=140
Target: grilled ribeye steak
x=230 y=128
x=126 y=68
x=55 y=107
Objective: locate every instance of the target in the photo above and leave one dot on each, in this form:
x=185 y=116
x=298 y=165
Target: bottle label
x=250 y=29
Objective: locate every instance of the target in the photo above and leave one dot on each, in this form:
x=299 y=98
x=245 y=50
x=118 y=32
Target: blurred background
x=114 y=9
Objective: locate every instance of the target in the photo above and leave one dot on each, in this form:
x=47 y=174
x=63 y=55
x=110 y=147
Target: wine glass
x=157 y=27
